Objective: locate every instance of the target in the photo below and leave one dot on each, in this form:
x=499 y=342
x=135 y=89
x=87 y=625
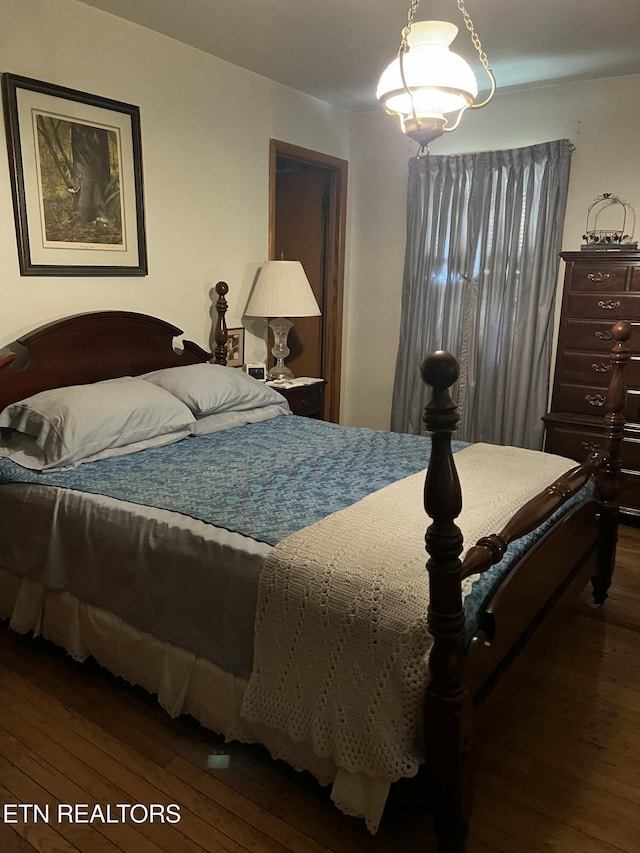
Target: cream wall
x=597 y=116
x=206 y=127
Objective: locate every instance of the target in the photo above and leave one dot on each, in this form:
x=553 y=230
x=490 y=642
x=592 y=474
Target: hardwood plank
x=231 y=813
x=508 y=825
x=10 y=840
x=586 y=807
x=110 y=780
x=293 y=797
x=583 y=758
x=26 y=837
x=62 y=780
x=19 y=788
x=240 y=805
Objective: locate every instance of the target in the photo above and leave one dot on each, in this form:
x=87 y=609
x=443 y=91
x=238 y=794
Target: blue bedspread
x=263 y=480
x=269 y=479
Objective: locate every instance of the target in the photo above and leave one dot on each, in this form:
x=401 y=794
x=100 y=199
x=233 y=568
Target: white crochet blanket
x=341 y=637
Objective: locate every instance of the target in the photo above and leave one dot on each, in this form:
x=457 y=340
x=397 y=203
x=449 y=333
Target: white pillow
x=209 y=389
x=64 y=426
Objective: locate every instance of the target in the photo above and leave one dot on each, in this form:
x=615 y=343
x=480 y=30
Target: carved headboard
x=102 y=345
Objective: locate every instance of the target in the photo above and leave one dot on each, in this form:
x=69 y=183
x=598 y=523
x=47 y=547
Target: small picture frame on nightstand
x=235 y=347
x=257 y=371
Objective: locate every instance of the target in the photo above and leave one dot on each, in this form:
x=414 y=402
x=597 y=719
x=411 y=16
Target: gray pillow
x=209 y=389
x=65 y=426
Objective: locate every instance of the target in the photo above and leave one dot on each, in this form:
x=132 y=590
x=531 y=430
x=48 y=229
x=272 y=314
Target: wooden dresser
x=599 y=289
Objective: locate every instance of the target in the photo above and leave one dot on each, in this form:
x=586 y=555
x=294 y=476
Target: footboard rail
x=490 y=549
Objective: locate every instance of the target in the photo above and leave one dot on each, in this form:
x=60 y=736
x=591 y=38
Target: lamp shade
x=282 y=289
x=438 y=81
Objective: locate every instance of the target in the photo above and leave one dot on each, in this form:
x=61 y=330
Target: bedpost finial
x=440 y=370
x=621 y=331
x=222 y=288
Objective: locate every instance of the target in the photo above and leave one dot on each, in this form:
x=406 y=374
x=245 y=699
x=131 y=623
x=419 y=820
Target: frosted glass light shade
x=440 y=81
x=282 y=289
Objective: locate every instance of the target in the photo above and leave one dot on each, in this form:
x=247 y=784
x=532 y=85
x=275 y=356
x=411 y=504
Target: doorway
x=307 y=222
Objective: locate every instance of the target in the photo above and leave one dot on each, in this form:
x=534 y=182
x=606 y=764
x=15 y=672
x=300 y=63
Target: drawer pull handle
x=595 y=399
x=602 y=367
x=591 y=446
x=608 y=304
x=604 y=336
x=598 y=276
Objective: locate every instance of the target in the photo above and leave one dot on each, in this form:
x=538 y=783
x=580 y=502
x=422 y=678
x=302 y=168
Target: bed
x=284 y=599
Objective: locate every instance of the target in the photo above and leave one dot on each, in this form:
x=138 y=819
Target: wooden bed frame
x=104 y=345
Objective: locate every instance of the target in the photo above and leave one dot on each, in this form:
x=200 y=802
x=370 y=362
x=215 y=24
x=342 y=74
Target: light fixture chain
x=474 y=36
x=404 y=42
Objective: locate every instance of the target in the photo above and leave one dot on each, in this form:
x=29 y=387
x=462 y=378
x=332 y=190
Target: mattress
x=178 y=576
x=185 y=568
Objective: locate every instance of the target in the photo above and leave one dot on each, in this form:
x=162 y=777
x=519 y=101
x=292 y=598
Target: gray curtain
x=484 y=233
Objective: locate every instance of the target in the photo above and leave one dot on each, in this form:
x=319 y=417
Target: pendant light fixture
x=427 y=85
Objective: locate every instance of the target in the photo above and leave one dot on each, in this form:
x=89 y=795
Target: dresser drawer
x=599 y=277
x=592 y=335
x=576 y=443
x=603 y=306
x=591 y=399
x=590 y=369
x=572 y=443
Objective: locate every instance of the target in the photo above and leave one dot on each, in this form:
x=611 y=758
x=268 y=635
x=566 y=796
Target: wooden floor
x=562 y=773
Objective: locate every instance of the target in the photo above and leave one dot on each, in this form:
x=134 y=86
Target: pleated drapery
x=484 y=234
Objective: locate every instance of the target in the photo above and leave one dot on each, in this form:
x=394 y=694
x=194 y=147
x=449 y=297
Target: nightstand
x=304 y=398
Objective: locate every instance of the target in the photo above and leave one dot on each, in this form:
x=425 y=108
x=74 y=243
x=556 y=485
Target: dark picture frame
x=235 y=347
x=75 y=162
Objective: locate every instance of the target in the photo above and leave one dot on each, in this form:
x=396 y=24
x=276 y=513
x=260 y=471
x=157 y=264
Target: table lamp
x=282 y=290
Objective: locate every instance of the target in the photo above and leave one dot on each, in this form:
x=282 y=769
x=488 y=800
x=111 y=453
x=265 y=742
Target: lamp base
x=280 y=328
x=280 y=371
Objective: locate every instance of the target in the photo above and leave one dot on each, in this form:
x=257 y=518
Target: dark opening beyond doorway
x=307 y=223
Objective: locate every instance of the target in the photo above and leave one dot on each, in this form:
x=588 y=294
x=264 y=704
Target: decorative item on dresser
x=599 y=288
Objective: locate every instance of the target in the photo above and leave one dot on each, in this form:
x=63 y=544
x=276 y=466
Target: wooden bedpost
x=221 y=335
x=608 y=481
x=448 y=712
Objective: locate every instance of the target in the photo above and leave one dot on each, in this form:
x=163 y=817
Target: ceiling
x=336 y=50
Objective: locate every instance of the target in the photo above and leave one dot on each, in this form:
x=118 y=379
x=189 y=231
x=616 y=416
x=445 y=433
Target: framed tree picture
x=76 y=177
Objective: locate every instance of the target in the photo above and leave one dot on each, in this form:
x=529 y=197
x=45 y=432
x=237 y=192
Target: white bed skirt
x=183 y=682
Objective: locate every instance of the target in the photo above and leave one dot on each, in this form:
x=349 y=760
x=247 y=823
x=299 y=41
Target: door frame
x=337 y=171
